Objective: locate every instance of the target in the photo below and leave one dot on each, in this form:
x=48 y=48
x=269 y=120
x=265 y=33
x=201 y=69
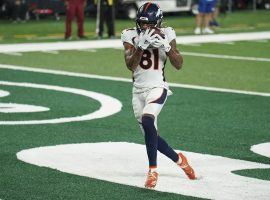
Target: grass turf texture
x=214 y=72
x=49 y=30
x=216 y=124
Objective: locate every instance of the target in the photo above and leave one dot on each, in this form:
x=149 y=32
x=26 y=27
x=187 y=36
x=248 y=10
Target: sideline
x=58 y=72
x=116 y=43
x=207 y=55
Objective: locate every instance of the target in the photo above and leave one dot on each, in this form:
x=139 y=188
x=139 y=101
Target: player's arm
x=132 y=56
x=174 y=55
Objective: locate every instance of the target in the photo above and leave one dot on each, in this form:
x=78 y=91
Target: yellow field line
x=27 y=36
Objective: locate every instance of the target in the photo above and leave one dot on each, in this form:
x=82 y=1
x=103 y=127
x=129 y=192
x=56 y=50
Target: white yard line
x=193 y=45
x=58 y=72
x=261 y=41
x=88 y=50
x=183 y=53
x=116 y=43
x=13 y=53
x=51 y=52
x=225 y=56
x=223 y=37
x=228 y=43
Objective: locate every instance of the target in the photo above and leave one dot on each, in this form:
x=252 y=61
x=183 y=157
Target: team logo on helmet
x=159 y=13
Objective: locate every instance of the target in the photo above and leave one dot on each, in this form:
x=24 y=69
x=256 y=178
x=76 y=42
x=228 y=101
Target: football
x=158 y=31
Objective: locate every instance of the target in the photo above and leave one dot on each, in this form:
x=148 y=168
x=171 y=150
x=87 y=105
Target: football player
x=147 y=47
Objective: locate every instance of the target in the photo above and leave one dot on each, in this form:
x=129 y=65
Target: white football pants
x=142 y=102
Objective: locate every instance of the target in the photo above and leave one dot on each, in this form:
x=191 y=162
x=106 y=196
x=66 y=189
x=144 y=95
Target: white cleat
x=197 y=31
x=208 y=31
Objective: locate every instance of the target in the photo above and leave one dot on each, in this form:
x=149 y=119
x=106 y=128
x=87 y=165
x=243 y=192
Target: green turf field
x=214 y=123
x=214 y=72
x=201 y=121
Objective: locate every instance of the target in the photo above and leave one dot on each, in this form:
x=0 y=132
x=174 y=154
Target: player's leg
x=155 y=102
x=146 y=122
x=199 y=17
x=100 y=21
x=138 y=103
x=164 y=148
x=208 y=16
x=80 y=20
x=151 y=139
x=69 y=17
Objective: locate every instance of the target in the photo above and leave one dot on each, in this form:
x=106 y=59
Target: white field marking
x=4 y=93
x=194 y=45
x=73 y=74
x=229 y=43
x=223 y=37
x=53 y=46
x=225 y=56
x=13 y=53
x=109 y=105
x=261 y=41
x=20 y=108
x=88 y=50
x=114 y=43
x=119 y=48
x=51 y=52
x=91 y=160
x=262 y=149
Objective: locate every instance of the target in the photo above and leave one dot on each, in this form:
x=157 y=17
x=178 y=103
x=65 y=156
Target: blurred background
x=35 y=20
x=55 y=9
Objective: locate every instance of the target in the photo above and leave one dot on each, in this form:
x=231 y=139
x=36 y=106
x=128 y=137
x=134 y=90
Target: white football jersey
x=150 y=71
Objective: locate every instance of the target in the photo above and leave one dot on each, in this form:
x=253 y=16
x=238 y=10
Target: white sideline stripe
x=58 y=72
x=261 y=41
x=225 y=56
x=223 y=37
x=51 y=52
x=183 y=53
x=229 y=43
x=193 y=45
x=12 y=53
x=115 y=43
x=87 y=50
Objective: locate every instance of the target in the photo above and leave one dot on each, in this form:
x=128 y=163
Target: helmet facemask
x=140 y=23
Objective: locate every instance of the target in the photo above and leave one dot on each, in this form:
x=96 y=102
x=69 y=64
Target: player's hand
x=145 y=39
x=162 y=43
